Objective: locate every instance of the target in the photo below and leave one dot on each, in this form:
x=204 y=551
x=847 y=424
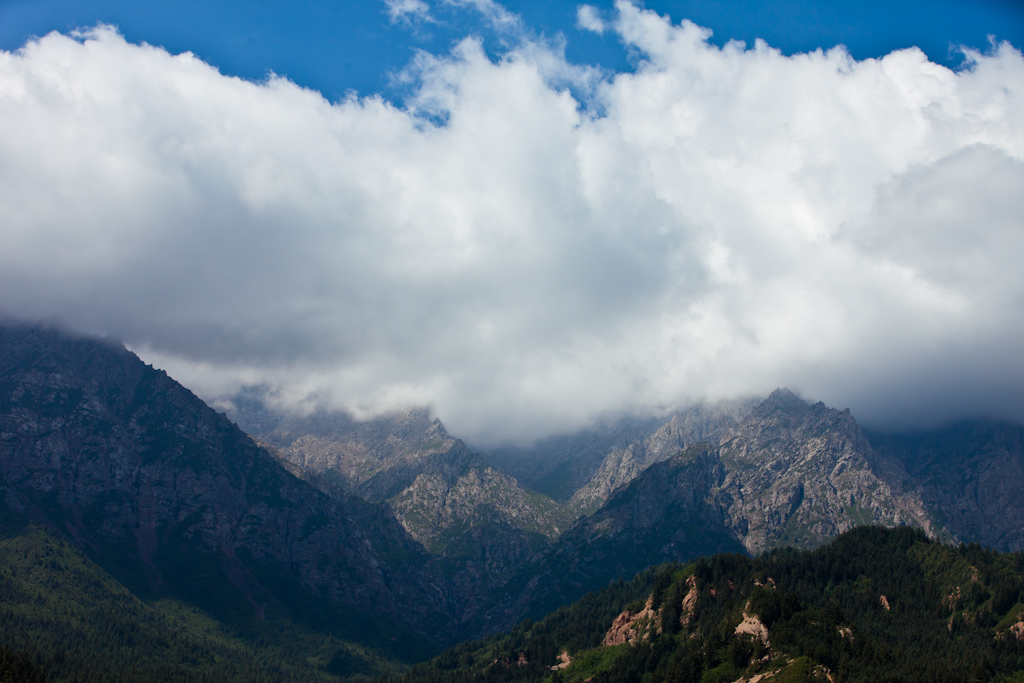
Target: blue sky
x=336 y=46
x=559 y=213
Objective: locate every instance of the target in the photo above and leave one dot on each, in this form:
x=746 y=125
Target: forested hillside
x=874 y=605
x=61 y=611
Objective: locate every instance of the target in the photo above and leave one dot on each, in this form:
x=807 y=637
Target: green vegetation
x=62 y=614
x=17 y=667
x=875 y=605
x=950 y=611
x=591 y=662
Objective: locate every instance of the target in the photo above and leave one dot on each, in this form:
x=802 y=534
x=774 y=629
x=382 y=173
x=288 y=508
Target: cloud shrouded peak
x=717 y=222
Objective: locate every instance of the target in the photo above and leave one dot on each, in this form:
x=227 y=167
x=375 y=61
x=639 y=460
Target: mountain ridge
x=174 y=499
x=398 y=526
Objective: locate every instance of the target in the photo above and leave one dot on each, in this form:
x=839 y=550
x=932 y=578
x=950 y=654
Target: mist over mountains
x=373 y=543
x=526 y=245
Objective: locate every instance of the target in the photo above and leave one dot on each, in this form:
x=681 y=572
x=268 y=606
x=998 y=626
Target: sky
x=527 y=216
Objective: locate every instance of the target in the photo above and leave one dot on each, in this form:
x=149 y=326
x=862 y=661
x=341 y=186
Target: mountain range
x=359 y=546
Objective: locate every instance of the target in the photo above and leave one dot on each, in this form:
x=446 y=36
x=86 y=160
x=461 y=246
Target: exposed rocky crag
x=479 y=524
x=700 y=423
x=633 y=628
x=173 y=499
x=338 y=453
x=801 y=474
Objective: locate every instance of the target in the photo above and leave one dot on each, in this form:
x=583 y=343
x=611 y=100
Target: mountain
x=663 y=515
x=177 y=503
x=62 y=610
x=479 y=524
x=789 y=473
x=696 y=424
x=560 y=465
x=338 y=453
x=330 y=546
x=800 y=474
x=874 y=605
x=970 y=475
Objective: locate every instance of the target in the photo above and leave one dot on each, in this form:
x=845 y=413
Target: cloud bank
x=718 y=222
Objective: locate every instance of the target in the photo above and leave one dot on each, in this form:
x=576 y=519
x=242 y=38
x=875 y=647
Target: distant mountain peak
x=781 y=399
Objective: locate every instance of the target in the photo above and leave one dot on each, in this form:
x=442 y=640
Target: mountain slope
x=560 y=465
x=663 y=515
x=458 y=490
x=788 y=474
x=971 y=475
x=478 y=523
x=338 y=453
x=72 y=617
x=874 y=605
x=175 y=501
x=699 y=423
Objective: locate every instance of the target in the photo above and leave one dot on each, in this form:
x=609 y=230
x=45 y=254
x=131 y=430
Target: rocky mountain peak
x=781 y=400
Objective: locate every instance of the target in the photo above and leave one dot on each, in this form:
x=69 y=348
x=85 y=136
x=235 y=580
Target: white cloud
x=407 y=10
x=494 y=13
x=733 y=221
x=589 y=19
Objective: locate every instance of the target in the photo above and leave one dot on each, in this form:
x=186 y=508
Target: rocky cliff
x=339 y=453
x=699 y=423
x=800 y=474
x=478 y=523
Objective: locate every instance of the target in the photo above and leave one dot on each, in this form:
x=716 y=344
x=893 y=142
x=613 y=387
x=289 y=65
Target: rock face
x=700 y=423
x=337 y=453
x=689 y=601
x=564 y=661
x=478 y=523
x=753 y=626
x=801 y=474
x=633 y=628
x=173 y=499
